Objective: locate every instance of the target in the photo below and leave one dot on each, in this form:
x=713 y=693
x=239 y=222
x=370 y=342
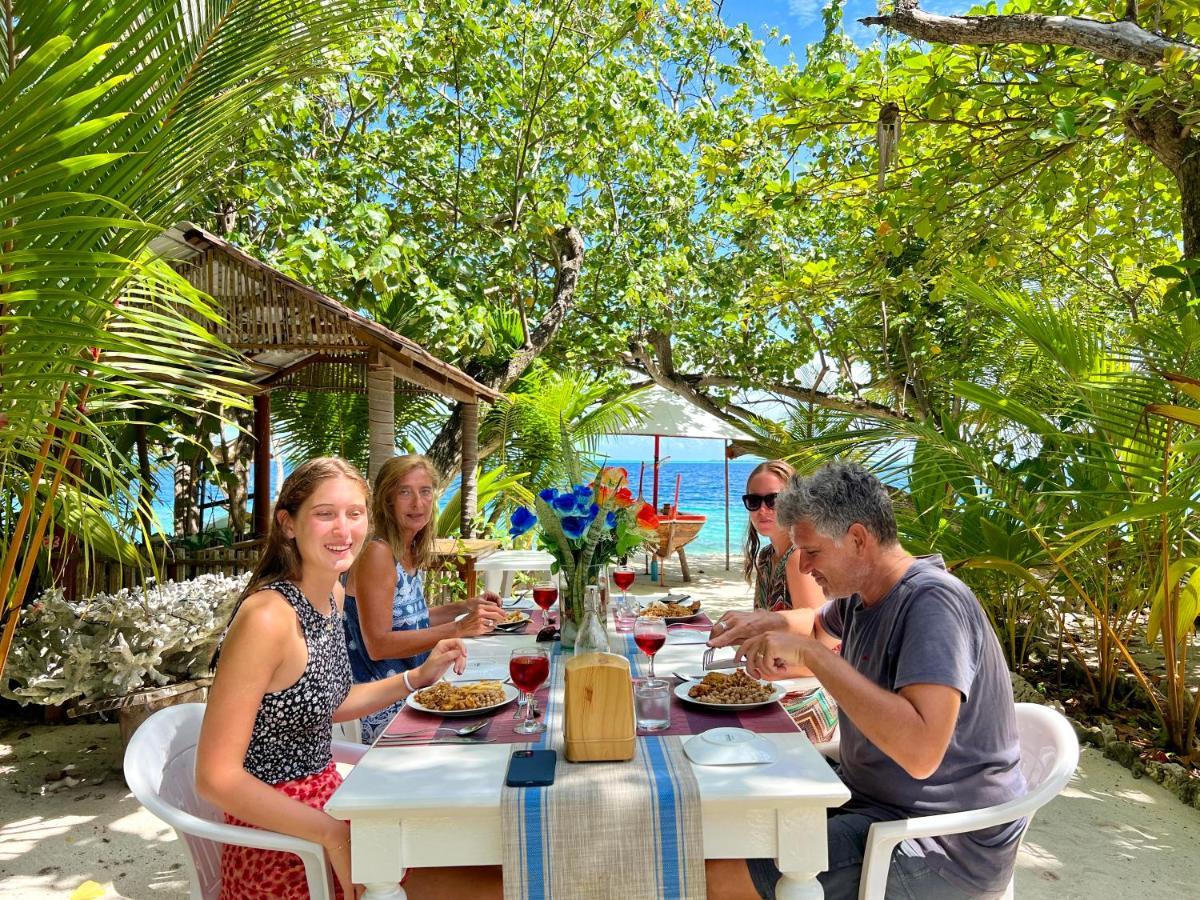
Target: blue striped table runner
x=626 y=830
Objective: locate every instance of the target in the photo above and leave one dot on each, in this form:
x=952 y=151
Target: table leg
x=802 y=853
x=377 y=891
x=796 y=886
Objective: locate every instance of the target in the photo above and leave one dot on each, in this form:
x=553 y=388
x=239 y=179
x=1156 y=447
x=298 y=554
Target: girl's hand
x=444 y=655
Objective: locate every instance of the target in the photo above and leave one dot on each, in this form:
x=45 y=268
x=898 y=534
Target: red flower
x=624 y=498
x=647 y=518
x=603 y=495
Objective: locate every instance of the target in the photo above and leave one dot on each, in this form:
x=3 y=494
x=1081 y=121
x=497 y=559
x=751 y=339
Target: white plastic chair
x=160 y=766
x=1049 y=755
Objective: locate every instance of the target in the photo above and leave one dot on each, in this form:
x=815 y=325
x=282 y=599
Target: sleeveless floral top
x=293 y=728
x=770 y=580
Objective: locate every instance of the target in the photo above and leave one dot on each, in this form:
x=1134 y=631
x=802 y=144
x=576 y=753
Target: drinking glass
x=529 y=668
x=623 y=576
x=652 y=702
x=545 y=593
x=650 y=633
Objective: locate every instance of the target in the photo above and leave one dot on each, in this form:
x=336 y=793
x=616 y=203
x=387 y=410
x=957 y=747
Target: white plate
x=672 y=619
x=510 y=694
x=729 y=747
x=681 y=691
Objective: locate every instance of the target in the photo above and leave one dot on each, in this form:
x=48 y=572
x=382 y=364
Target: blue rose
x=522 y=520
x=548 y=494
x=610 y=521
x=564 y=504
x=575 y=526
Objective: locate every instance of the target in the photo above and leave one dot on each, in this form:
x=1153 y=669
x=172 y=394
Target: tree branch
x=1122 y=41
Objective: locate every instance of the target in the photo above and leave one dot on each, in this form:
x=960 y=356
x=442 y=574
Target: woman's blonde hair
x=783 y=471
x=383 y=515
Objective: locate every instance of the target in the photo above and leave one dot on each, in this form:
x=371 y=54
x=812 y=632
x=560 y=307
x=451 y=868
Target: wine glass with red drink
x=544 y=595
x=623 y=576
x=529 y=669
x=650 y=633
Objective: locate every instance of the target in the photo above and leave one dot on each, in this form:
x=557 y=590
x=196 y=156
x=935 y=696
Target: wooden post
x=381 y=415
x=262 y=464
x=726 y=505
x=470 y=459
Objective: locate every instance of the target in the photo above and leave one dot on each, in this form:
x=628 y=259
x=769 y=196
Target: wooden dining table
x=439 y=804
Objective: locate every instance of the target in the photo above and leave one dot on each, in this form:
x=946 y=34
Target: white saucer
x=729 y=747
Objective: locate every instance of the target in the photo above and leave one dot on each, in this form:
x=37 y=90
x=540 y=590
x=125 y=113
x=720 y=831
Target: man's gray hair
x=835 y=497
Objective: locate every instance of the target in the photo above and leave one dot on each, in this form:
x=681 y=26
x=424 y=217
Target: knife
x=413 y=742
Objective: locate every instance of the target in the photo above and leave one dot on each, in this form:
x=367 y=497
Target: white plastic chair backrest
x=160 y=769
x=1049 y=753
x=1049 y=756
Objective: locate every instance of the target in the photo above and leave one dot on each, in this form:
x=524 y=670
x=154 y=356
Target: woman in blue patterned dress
x=389 y=628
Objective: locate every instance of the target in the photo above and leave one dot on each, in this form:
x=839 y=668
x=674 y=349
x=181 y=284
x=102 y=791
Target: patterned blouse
x=409 y=613
x=770 y=580
x=292 y=730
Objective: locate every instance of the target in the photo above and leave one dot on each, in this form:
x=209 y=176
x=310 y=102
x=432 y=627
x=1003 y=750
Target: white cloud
x=806 y=11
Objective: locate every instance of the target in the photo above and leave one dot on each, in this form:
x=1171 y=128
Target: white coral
x=110 y=645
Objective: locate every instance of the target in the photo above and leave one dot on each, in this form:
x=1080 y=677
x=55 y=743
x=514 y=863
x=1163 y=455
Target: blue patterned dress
x=409 y=612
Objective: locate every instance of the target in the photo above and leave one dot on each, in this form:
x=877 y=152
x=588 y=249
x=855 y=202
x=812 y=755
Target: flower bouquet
x=584 y=528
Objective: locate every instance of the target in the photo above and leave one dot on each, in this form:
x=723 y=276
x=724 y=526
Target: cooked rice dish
x=446 y=697
x=662 y=610
x=722 y=688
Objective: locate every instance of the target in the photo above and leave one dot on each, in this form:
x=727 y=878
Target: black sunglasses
x=753 y=501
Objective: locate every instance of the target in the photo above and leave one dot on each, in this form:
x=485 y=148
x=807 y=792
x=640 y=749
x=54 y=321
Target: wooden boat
x=676 y=530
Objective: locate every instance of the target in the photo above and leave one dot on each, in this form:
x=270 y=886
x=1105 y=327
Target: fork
x=707 y=663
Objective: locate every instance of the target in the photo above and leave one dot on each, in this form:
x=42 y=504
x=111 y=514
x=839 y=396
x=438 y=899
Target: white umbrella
x=666 y=414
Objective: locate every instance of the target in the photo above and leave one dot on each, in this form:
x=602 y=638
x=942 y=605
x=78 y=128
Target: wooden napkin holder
x=598 y=722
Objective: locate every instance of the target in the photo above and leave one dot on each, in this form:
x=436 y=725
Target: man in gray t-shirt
x=924 y=699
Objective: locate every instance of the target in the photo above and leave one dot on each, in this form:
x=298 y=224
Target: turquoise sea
x=701 y=491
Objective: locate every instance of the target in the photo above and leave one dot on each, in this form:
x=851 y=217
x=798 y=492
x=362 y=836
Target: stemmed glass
x=529 y=668
x=545 y=593
x=650 y=633
x=623 y=577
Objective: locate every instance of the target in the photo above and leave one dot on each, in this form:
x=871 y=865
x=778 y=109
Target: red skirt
x=248 y=873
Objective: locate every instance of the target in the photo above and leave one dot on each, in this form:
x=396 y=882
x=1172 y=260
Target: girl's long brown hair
x=383 y=516
x=782 y=470
x=280 y=559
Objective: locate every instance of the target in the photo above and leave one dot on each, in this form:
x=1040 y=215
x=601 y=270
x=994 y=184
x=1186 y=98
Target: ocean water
x=701 y=490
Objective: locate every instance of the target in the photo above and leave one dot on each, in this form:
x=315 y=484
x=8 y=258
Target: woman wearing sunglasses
x=780 y=588
x=779 y=585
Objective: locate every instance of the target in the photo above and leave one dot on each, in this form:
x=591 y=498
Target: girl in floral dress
x=283 y=678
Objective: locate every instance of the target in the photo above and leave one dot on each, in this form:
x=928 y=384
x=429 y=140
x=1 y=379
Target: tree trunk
x=1174 y=145
x=567 y=244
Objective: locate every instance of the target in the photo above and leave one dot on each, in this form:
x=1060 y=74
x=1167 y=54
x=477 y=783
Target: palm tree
x=551 y=425
x=114 y=118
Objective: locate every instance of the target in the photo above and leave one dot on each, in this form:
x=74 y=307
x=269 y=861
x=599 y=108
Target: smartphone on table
x=531 y=768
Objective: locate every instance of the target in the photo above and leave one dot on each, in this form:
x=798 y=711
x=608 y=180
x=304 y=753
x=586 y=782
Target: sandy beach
x=67 y=818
